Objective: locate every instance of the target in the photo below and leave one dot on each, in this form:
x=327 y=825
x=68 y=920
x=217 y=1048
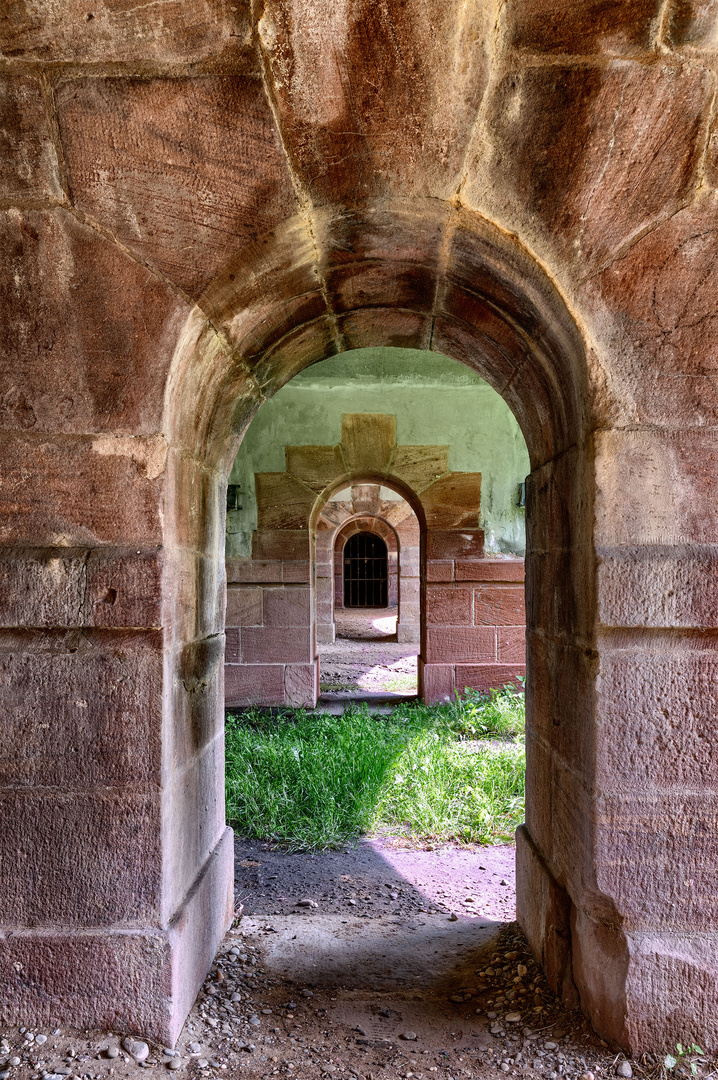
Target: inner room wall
x=432 y=424
x=435 y=400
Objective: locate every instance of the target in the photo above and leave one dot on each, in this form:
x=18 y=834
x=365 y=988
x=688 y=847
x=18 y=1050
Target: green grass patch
x=446 y=772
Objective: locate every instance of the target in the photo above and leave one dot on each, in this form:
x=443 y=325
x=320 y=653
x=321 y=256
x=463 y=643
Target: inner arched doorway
x=365 y=564
x=490 y=306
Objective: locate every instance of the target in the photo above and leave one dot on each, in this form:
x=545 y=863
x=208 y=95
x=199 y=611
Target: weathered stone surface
x=368 y=441
x=301 y=684
x=499 y=605
x=343 y=77
x=119 y=886
x=443 y=544
x=655 y=487
x=287 y=607
x=68 y=30
x=255 y=684
x=316 y=466
x=453 y=644
x=277 y=645
x=692 y=24
x=70 y=587
x=511 y=644
x=595 y=154
x=282 y=502
x=92 y=331
x=419 y=466
x=452 y=606
x=560 y=26
x=118 y=981
x=71 y=491
x=28 y=160
x=661 y=334
x=641 y=681
x=453 y=501
x=658 y=586
x=182 y=171
x=101 y=732
x=244 y=607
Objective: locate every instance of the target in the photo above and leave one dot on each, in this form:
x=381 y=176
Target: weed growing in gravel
x=313 y=781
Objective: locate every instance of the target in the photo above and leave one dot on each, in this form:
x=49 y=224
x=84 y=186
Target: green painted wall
x=435 y=400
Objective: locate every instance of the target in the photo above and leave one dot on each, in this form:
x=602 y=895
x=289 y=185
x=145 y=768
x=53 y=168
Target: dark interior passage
x=366 y=573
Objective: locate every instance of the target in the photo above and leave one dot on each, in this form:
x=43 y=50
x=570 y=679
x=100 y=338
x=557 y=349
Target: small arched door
x=365 y=571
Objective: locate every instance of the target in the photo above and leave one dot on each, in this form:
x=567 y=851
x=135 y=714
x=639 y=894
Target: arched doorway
x=497 y=312
x=365 y=561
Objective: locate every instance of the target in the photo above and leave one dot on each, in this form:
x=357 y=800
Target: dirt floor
x=378 y=961
x=366 y=657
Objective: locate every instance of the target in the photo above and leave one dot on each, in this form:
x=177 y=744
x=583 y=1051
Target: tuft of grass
x=312 y=781
x=309 y=781
x=439 y=789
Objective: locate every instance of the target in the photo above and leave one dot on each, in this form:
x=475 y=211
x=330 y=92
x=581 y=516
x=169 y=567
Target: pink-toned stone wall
x=475 y=625
x=270 y=655
x=193 y=208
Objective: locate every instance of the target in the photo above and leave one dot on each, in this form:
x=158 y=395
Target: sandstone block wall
x=281 y=601
x=196 y=203
x=475 y=625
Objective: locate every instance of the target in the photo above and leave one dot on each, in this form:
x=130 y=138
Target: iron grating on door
x=365 y=571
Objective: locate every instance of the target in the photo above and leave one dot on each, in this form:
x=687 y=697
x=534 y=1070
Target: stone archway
x=129 y=943
x=490 y=306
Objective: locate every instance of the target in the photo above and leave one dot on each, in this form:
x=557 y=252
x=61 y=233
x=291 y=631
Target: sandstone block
x=499 y=605
x=301 y=346
x=452 y=544
x=316 y=466
x=80 y=710
x=296 y=571
x=254 y=684
x=92 y=330
x=641 y=683
x=436 y=682
x=457 y=644
x=419 y=466
x=72 y=587
x=332 y=126
x=489 y=570
x=287 y=607
x=444 y=606
x=692 y=24
x=75 y=492
x=65 y=32
x=28 y=162
x=453 y=501
x=657 y=304
x=368 y=440
x=559 y=26
x=283 y=545
x=511 y=641
x=118 y=886
x=244 y=607
x=487 y=676
x=277 y=645
x=627 y=137
x=283 y=503
x=127 y=143
x=439 y=570
x=233 y=645
x=301 y=684
x=658 y=586
x=395 y=329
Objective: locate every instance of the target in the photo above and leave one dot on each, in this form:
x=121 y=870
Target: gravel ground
x=419 y=991
x=366 y=657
